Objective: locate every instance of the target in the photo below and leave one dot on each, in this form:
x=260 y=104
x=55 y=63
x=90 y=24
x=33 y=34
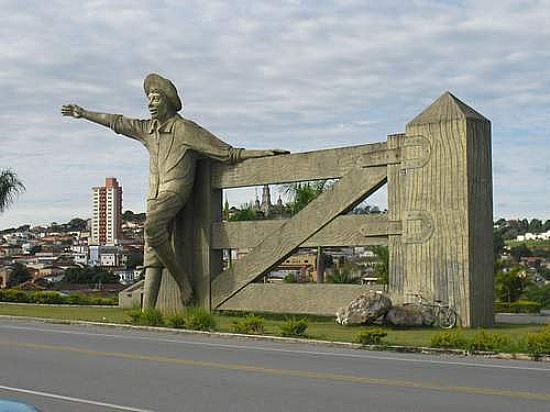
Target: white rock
x=364 y=309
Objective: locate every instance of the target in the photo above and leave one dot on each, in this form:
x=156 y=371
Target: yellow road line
x=287 y=372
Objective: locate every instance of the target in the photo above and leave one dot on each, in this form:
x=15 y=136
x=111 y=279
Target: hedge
x=521 y=306
x=19 y=296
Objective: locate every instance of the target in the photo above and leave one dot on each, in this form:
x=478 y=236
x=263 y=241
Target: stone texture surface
x=320 y=299
x=132 y=296
x=445 y=205
x=349 y=190
x=364 y=309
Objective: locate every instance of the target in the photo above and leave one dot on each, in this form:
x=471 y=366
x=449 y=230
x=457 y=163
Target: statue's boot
x=151 y=287
x=167 y=256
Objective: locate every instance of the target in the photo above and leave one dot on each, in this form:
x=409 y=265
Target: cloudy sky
x=300 y=75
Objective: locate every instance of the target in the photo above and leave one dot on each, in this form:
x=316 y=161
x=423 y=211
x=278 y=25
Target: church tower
x=266 y=201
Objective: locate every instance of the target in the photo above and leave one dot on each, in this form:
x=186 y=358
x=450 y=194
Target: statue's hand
x=72 y=110
x=276 y=152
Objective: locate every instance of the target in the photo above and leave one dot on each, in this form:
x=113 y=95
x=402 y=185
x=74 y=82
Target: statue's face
x=158 y=105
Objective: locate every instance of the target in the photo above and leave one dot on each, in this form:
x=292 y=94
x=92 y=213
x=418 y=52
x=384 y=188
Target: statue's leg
x=161 y=213
x=151 y=288
x=166 y=254
x=153 y=275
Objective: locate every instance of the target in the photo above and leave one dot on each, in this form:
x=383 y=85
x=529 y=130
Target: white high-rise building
x=107 y=213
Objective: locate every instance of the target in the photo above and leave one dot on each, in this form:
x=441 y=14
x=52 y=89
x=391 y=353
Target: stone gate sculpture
x=438 y=226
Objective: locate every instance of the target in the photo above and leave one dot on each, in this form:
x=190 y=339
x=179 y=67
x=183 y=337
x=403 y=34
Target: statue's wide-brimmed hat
x=154 y=81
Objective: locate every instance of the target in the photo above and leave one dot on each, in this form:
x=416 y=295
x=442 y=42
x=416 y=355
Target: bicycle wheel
x=447 y=318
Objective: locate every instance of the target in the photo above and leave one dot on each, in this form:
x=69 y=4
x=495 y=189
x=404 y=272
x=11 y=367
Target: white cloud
x=297 y=74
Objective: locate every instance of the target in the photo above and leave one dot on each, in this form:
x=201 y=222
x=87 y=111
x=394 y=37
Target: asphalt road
x=84 y=368
x=524 y=318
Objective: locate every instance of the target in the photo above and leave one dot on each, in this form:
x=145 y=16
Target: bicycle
x=444 y=316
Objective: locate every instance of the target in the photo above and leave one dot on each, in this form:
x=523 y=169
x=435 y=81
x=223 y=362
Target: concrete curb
x=281 y=339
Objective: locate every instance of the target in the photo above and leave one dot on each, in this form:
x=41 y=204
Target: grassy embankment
x=319 y=328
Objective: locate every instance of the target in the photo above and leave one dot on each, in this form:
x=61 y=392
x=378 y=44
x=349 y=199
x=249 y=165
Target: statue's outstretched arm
x=73 y=110
x=249 y=154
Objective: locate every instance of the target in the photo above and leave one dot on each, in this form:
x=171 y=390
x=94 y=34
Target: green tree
x=244 y=214
x=35 y=249
x=342 y=275
x=545 y=273
x=20 y=274
x=520 y=251
x=56 y=227
x=76 y=225
x=129 y=216
x=501 y=222
x=134 y=260
x=509 y=286
x=540 y=294
x=535 y=226
x=226 y=210
x=10 y=187
x=498 y=243
x=381 y=268
x=524 y=225
x=512 y=228
x=303 y=193
x=366 y=210
x=89 y=276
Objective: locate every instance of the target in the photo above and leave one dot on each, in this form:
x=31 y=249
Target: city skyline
x=298 y=75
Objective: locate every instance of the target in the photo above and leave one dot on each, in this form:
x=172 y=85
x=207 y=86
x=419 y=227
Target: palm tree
x=303 y=193
x=382 y=266
x=10 y=187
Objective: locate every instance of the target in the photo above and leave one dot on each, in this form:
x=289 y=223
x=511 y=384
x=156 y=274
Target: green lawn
x=86 y=313
x=531 y=244
x=319 y=328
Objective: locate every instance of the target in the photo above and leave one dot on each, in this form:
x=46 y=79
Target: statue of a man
x=174 y=144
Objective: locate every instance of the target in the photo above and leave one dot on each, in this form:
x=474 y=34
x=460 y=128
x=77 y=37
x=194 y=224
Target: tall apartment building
x=107 y=213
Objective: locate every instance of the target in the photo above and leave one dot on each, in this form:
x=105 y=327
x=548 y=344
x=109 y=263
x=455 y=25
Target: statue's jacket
x=174 y=147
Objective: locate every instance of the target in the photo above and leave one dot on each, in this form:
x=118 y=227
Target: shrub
x=538 y=343
x=540 y=294
x=77 y=299
x=341 y=276
x=147 y=317
x=42 y=297
x=108 y=301
x=135 y=316
x=199 y=319
x=176 y=321
x=152 y=317
x=250 y=324
x=502 y=307
x=289 y=278
x=449 y=339
x=525 y=306
x=370 y=336
x=521 y=306
x=13 y=295
x=509 y=286
x=45 y=297
x=485 y=341
x=294 y=327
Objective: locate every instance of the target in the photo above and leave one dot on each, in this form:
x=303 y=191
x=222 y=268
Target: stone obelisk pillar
x=446 y=207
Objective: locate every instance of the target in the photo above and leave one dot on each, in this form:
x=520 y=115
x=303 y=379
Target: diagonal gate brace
x=276 y=246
